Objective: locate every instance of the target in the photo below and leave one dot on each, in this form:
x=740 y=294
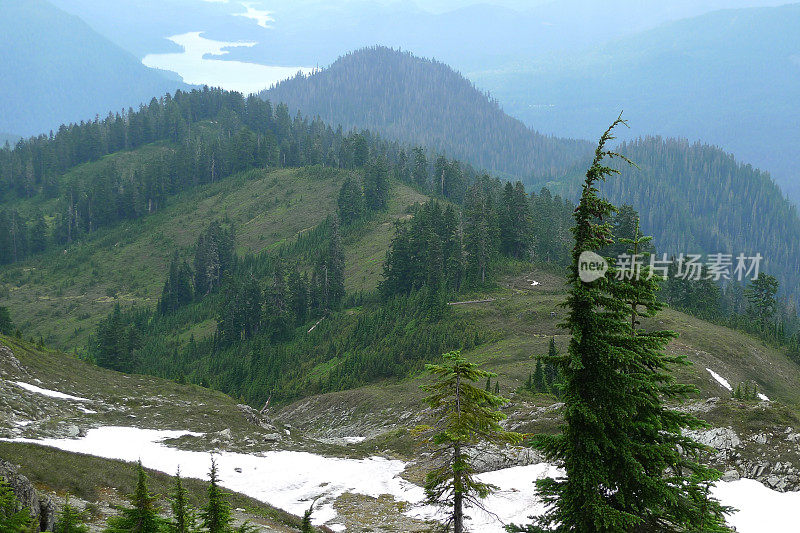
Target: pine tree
x=464 y=415
x=142 y=516
x=6 y=325
x=298 y=295
x=376 y=184
x=305 y=525
x=350 y=201
x=760 y=294
x=628 y=466
x=183 y=516
x=70 y=520
x=335 y=267
x=538 y=380
x=13 y=517
x=216 y=515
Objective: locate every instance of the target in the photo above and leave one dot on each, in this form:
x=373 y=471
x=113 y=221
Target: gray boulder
x=40 y=505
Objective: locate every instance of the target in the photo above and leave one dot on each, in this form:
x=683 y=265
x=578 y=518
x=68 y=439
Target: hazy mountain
x=420 y=101
x=464 y=34
x=730 y=78
x=63 y=71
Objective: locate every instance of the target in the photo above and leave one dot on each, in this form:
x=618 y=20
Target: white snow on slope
x=760 y=509
x=291 y=480
x=286 y=479
x=48 y=392
x=513 y=502
x=722 y=381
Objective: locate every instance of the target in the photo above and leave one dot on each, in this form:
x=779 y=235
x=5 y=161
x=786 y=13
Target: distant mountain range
x=694 y=198
x=56 y=69
x=730 y=78
x=424 y=102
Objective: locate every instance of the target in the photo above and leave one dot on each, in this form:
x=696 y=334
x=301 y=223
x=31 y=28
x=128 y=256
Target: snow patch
x=48 y=392
x=759 y=507
x=353 y=440
x=286 y=479
x=763 y=397
x=291 y=480
x=722 y=381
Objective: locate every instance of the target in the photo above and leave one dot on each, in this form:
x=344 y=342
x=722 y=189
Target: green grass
x=61 y=295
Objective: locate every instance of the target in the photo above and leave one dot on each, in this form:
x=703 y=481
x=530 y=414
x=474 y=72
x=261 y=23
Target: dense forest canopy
x=425 y=102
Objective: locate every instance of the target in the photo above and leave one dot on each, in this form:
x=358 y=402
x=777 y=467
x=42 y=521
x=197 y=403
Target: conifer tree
x=464 y=415
x=376 y=184
x=350 y=201
x=335 y=266
x=628 y=466
x=305 y=525
x=216 y=515
x=760 y=294
x=142 y=516
x=183 y=516
x=538 y=380
x=13 y=517
x=6 y=325
x=70 y=520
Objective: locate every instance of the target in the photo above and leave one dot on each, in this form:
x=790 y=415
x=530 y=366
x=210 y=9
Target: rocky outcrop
x=40 y=506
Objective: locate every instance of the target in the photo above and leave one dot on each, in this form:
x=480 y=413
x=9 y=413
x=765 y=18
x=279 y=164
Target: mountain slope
x=63 y=71
x=730 y=78
x=697 y=199
x=424 y=102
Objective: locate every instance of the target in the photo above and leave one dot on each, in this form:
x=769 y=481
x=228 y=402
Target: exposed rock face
x=487 y=458
x=721 y=439
x=40 y=506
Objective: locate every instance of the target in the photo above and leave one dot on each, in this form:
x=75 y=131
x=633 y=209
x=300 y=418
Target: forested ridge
x=693 y=198
x=425 y=102
x=259 y=316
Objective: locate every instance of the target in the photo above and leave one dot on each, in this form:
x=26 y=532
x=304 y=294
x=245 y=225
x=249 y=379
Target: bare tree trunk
x=458 y=499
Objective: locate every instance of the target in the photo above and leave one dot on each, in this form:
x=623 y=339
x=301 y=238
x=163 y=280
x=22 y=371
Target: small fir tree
x=183 y=519
x=464 y=415
x=216 y=515
x=70 y=520
x=142 y=516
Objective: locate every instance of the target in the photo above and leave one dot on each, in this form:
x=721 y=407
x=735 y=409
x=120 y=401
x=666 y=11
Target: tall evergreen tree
x=464 y=416
x=216 y=515
x=760 y=294
x=628 y=466
x=350 y=201
x=334 y=271
x=376 y=184
x=143 y=514
x=6 y=325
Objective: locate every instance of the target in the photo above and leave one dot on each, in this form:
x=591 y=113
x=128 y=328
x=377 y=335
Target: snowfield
x=290 y=480
x=48 y=392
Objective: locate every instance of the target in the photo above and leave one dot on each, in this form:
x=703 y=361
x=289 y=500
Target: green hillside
x=678 y=183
